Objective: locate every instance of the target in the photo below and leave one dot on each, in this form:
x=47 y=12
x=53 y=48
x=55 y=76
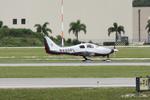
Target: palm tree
x=117 y=29
x=43 y=29
x=76 y=27
x=148 y=29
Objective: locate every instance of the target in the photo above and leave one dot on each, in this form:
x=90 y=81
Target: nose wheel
x=108 y=59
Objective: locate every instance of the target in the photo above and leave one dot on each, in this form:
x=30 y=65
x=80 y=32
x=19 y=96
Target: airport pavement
x=78 y=64
x=65 y=82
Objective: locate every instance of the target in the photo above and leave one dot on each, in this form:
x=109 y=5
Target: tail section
x=50 y=46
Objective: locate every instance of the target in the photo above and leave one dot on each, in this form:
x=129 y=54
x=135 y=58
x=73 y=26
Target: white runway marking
x=65 y=82
x=79 y=64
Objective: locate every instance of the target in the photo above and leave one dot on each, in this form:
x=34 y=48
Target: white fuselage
x=83 y=49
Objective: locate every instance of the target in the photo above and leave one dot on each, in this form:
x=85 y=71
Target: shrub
x=19 y=41
x=69 y=41
x=108 y=43
x=75 y=41
x=20 y=37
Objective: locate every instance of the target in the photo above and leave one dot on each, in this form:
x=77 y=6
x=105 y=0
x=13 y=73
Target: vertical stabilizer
x=50 y=46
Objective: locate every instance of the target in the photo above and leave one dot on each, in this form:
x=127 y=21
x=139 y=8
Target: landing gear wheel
x=86 y=59
x=107 y=60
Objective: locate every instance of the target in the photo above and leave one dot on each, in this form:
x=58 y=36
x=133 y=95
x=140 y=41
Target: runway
x=77 y=64
x=65 y=82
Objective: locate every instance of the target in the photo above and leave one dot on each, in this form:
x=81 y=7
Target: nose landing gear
x=107 y=59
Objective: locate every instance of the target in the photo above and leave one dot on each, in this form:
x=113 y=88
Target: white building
x=141 y=35
x=98 y=15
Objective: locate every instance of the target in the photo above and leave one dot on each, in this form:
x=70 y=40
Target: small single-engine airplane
x=84 y=49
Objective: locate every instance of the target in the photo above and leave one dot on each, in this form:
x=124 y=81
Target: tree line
x=75 y=28
x=41 y=30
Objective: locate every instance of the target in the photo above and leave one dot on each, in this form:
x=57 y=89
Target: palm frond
x=78 y=22
x=115 y=25
x=45 y=25
x=148 y=26
x=37 y=25
x=38 y=28
x=48 y=30
x=70 y=30
x=84 y=30
x=83 y=26
x=148 y=30
x=43 y=28
x=121 y=29
x=76 y=27
x=72 y=24
x=111 y=30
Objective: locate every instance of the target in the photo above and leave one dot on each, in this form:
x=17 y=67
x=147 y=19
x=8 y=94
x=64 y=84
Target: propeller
x=115 y=50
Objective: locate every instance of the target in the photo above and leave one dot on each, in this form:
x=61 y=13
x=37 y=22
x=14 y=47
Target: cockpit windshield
x=90 y=46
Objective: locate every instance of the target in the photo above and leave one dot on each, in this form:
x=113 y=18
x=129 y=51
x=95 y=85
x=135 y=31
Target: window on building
x=23 y=21
x=14 y=21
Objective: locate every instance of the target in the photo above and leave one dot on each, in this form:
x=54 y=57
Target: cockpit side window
x=90 y=46
x=82 y=46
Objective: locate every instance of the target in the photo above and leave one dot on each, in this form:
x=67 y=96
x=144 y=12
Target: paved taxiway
x=65 y=82
x=69 y=82
x=80 y=64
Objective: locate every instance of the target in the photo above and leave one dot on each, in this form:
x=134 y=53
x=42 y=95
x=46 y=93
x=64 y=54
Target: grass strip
x=129 y=52
x=74 y=72
x=70 y=94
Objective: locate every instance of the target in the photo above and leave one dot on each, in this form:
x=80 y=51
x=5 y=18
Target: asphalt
x=69 y=82
x=65 y=82
x=78 y=64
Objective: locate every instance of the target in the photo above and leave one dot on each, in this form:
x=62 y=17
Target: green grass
x=20 y=52
x=69 y=94
x=18 y=55
x=133 y=52
x=74 y=72
x=123 y=52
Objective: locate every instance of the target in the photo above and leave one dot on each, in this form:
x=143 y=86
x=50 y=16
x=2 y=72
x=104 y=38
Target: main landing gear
x=86 y=59
x=89 y=60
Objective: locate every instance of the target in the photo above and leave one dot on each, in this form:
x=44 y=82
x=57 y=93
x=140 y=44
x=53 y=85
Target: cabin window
x=82 y=46
x=90 y=46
